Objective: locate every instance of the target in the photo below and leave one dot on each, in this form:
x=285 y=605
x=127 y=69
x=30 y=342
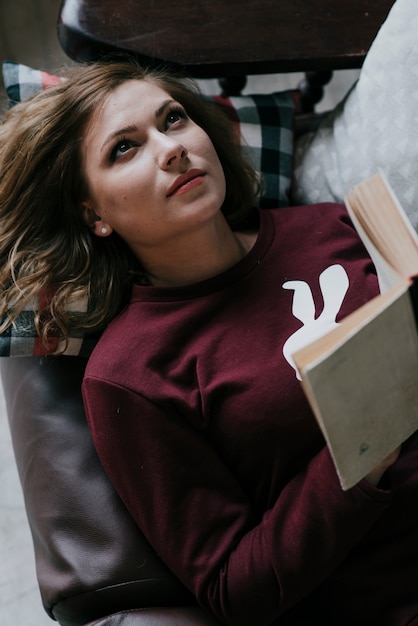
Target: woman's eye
x=121 y=148
x=175 y=116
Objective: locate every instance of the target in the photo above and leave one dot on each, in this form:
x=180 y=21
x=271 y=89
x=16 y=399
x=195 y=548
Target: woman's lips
x=191 y=179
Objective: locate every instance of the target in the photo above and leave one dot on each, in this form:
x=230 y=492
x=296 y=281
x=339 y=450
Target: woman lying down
x=123 y=186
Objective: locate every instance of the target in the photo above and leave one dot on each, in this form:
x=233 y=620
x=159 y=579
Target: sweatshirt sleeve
x=186 y=501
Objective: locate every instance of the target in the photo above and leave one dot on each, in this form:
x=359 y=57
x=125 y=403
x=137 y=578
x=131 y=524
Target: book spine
x=413 y=294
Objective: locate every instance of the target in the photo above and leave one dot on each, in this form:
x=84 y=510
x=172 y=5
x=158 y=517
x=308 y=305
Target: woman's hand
x=376 y=474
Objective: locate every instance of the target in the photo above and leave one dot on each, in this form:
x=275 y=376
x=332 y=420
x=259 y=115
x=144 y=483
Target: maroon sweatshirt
x=201 y=424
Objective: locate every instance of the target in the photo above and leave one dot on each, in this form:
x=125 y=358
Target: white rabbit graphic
x=334 y=285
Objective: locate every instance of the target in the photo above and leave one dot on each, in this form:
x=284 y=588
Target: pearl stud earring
x=104 y=230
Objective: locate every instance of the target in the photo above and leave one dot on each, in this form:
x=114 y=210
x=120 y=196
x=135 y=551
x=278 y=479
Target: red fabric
x=39 y=348
x=49 y=80
x=203 y=428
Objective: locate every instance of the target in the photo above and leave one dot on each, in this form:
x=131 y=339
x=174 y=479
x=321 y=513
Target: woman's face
x=151 y=172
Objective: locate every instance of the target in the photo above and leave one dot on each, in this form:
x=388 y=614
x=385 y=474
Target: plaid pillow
x=22 y=81
x=264 y=129
x=21 y=338
x=264 y=124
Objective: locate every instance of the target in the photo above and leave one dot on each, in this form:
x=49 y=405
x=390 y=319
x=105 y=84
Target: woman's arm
x=247 y=569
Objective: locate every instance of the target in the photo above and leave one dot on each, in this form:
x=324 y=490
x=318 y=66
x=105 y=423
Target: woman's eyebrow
x=163 y=107
x=132 y=127
x=118 y=133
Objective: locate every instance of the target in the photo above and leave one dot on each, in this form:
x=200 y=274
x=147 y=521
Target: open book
x=362 y=377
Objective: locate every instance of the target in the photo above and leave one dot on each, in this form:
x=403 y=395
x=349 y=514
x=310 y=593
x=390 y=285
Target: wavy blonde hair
x=45 y=245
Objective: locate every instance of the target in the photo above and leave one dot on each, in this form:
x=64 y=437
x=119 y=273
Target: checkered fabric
x=264 y=129
x=21 y=338
x=22 y=81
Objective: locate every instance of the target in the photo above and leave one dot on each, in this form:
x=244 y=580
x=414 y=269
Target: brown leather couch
x=93 y=565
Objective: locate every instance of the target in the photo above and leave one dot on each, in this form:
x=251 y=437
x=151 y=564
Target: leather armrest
x=92 y=561
x=178 y=616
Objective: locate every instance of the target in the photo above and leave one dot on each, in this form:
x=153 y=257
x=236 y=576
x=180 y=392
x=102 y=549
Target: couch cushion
x=178 y=616
x=374 y=127
x=91 y=558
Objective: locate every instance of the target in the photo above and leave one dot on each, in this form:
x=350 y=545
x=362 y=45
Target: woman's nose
x=170 y=151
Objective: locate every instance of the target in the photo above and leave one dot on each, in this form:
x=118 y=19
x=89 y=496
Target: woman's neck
x=207 y=253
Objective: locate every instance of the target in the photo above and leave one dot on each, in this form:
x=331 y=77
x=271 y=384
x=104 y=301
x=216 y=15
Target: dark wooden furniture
x=228 y=38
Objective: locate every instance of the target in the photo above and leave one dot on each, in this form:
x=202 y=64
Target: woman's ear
x=95 y=222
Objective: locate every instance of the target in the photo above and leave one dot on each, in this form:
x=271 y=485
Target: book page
x=385 y=230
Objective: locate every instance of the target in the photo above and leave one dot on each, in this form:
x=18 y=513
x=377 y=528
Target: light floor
x=27 y=35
